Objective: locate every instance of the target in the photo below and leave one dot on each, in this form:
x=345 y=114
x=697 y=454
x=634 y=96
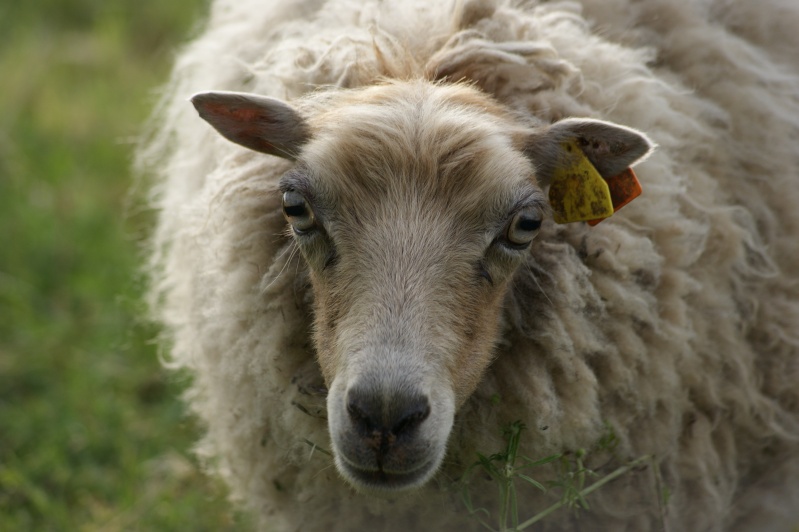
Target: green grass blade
x=532 y=481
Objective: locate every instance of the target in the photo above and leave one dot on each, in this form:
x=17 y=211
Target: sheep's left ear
x=257 y=122
x=611 y=148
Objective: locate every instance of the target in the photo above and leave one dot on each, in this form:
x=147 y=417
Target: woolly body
x=676 y=322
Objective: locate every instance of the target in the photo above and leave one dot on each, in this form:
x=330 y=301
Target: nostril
x=359 y=415
x=413 y=418
x=398 y=414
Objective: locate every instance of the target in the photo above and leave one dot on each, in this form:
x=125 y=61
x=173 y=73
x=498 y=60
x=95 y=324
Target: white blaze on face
x=391 y=403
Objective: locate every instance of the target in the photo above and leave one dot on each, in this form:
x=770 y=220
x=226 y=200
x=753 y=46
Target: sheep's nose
x=386 y=414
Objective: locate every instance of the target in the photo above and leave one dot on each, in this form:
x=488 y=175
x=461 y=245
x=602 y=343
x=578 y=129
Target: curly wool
x=676 y=322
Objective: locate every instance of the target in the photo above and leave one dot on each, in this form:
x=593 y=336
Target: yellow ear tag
x=577 y=191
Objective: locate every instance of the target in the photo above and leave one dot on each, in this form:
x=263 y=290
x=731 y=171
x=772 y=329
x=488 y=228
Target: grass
x=507 y=467
x=92 y=436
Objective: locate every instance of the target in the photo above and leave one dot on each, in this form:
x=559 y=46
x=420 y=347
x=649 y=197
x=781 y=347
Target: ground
x=92 y=434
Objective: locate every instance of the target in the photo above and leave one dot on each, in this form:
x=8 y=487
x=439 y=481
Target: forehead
x=434 y=143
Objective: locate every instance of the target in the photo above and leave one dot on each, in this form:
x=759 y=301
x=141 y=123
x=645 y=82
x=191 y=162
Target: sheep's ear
x=611 y=148
x=260 y=123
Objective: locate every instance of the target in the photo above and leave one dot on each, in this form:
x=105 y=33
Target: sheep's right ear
x=260 y=123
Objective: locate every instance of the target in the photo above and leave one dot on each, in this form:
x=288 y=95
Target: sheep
x=371 y=267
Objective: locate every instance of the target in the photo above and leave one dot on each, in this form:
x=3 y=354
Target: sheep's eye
x=523 y=227
x=297 y=212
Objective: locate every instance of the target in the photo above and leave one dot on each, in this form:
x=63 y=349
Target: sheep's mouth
x=380 y=481
x=389 y=442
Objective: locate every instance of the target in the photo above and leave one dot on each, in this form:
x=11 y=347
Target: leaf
x=542 y=461
x=532 y=481
x=490 y=468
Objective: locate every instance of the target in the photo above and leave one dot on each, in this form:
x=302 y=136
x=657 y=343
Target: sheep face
x=412 y=204
x=422 y=208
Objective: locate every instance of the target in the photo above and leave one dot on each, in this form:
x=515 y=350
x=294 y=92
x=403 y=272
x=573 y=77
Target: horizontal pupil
x=529 y=224
x=294 y=210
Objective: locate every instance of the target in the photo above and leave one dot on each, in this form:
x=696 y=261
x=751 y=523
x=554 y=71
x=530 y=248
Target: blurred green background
x=92 y=435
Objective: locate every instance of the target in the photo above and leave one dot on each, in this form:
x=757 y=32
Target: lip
x=382 y=481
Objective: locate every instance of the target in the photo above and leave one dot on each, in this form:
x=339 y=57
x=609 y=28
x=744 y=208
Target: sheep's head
x=413 y=204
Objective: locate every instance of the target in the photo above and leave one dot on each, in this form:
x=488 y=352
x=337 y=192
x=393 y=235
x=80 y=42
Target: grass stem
x=584 y=492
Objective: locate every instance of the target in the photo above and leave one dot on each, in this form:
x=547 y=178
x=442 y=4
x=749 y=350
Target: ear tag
x=577 y=191
x=624 y=188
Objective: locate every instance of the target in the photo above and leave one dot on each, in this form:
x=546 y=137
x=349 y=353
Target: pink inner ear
x=594 y=146
x=246 y=115
x=241 y=124
x=241 y=114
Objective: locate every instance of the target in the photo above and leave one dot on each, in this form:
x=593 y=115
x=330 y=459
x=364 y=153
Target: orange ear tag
x=624 y=188
x=577 y=192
